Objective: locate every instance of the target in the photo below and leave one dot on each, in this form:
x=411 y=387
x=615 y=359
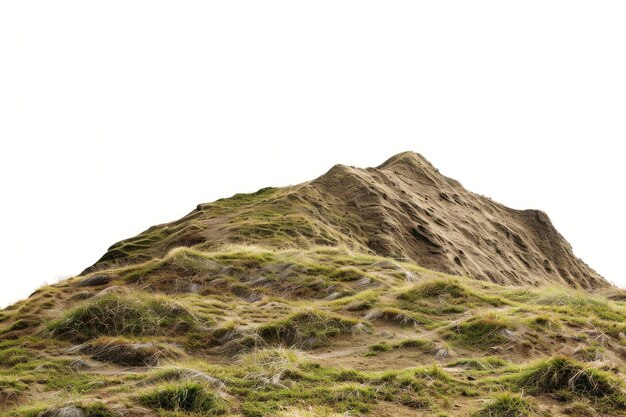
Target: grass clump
x=481 y=331
x=268 y=367
x=508 y=405
x=189 y=397
x=90 y=410
x=423 y=345
x=310 y=412
x=561 y=375
x=441 y=296
x=381 y=347
x=305 y=330
x=488 y=363
x=347 y=274
x=122 y=351
x=13 y=356
x=580 y=409
x=396 y=316
x=543 y=322
x=117 y=315
x=436 y=288
x=577 y=303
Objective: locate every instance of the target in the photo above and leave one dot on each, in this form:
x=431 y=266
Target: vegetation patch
x=188 y=397
x=508 y=405
x=481 y=331
x=347 y=274
x=126 y=352
x=544 y=322
x=442 y=296
x=422 y=345
x=488 y=363
x=90 y=410
x=448 y=290
x=396 y=316
x=581 y=304
x=563 y=375
x=306 y=330
x=13 y=356
x=243 y=314
x=580 y=409
x=269 y=366
x=310 y=412
x=117 y=315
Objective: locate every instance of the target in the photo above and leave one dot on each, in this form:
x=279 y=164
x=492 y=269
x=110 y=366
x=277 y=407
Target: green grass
x=306 y=329
x=188 y=397
x=564 y=376
x=508 y=405
x=13 y=356
x=480 y=332
x=116 y=315
x=488 y=363
x=581 y=304
x=544 y=322
x=423 y=345
x=245 y=355
x=436 y=288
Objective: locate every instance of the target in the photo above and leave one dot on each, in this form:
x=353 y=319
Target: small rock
x=95 y=280
x=79 y=364
x=333 y=296
x=108 y=290
x=259 y=281
x=373 y=315
x=442 y=353
x=362 y=283
x=510 y=334
x=359 y=328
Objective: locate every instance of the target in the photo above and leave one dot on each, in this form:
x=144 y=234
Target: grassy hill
x=258 y=305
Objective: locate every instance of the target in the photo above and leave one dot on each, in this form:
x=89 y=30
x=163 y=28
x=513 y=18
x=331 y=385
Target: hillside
x=388 y=291
x=403 y=209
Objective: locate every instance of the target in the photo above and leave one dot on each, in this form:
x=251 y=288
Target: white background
x=115 y=116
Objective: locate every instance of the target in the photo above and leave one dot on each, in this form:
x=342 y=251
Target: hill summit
x=403 y=209
x=388 y=291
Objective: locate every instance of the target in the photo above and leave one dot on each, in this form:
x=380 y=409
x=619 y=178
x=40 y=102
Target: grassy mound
x=562 y=375
x=488 y=363
x=116 y=315
x=481 y=331
x=305 y=330
x=189 y=397
x=126 y=352
x=508 y=405
x=396 y=316
x=268 y=366
x=423 y=345
x=436 y=288
x=12 y=356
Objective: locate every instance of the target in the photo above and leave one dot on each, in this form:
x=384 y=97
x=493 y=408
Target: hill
x=388 y=291
x=404 y=209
